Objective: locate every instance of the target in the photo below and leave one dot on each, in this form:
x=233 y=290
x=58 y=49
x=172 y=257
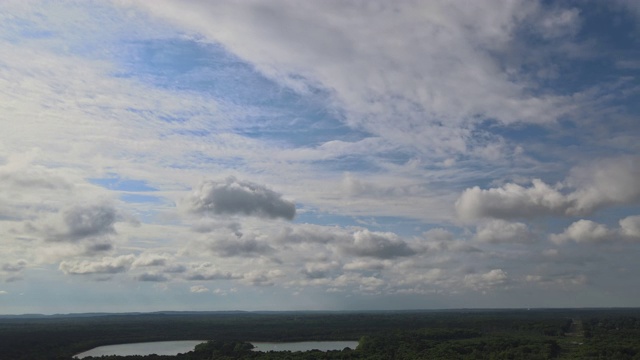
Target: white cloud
x=585 y=231
x=605 y=182
x=151 y=259
x=511 y=201
x=488 y=280
x=198 y=289
x=107 y=265
x=456 y=80
x=262 y=277
x=500 y=231
x=377 y=245
x=630 y=226
x=207 y=271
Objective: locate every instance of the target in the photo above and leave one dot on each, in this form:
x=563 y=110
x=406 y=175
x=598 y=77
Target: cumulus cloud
x=383 y=245
x=603 y=183
x=233 y=246
x=91 y=226
x=310 y=233
x=565 y=279
x=236 y=197
x=15 y=266
x=318 y=270
x=354 y=187
x=262 y=277
x=84 y=221
x=587 y=231
x=198 y=289
x=511 y=201
x=150 y=259
x=500 y=231
x=207 y=271
x=366 y=264
x=107 y=265
x=630 y=226
x=584 y=231
x=153 y=277
x=12 y=271
x=490 y=279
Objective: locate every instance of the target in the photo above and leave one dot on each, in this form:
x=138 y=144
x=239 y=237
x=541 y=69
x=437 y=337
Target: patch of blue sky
x=565 y=70
x=195 y=159
x=118 y=184
x=356 y=163
x=208 y=69
x=139 y=198
x=402 y=226
x=16 y=30
x=324 y=218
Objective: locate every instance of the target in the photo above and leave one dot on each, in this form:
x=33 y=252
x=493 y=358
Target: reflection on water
x=177 y=347
x=146 y=348
x=304 y=345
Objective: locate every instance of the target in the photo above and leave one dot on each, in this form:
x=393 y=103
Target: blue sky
x=318 y=155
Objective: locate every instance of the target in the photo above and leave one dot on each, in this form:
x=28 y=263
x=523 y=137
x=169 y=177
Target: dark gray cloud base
x=237 y=197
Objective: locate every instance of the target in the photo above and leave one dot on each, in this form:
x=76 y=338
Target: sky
x=318 y=155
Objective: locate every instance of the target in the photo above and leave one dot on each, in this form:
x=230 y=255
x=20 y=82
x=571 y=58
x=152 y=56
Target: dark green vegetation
x=460 y=334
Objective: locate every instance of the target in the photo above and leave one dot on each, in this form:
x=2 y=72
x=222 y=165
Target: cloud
x=603 y=183
x=354 y=187
x=563 y=280
x=84 y=221
x=108 y=265
x=150 y=259
x=366 y=264
x=490 y=279
x=584 y=231
x=12 y=271
x=310 y=233
x=91 y=223
x=14 y=267
x=630 y=226
x=319 y=270
x=207 y=271
x=383 y=245
x=511 y=201
x=3 y=292
x=236 y=197
x=234 y=246
x=262 y=277
x=466 y=72
x=198 y=289
x=500 y=231
x=153 y=277
x=590 y=232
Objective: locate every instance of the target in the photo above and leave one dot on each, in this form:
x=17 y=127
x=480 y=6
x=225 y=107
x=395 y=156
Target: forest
x=444 y=334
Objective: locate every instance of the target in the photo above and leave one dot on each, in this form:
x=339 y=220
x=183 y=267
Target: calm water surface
x=146 y=348
x=304 y=345
x=176 y=347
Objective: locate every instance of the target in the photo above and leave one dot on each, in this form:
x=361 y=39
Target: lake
x=304 y=345
x=176 y=347
x=145 y=348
